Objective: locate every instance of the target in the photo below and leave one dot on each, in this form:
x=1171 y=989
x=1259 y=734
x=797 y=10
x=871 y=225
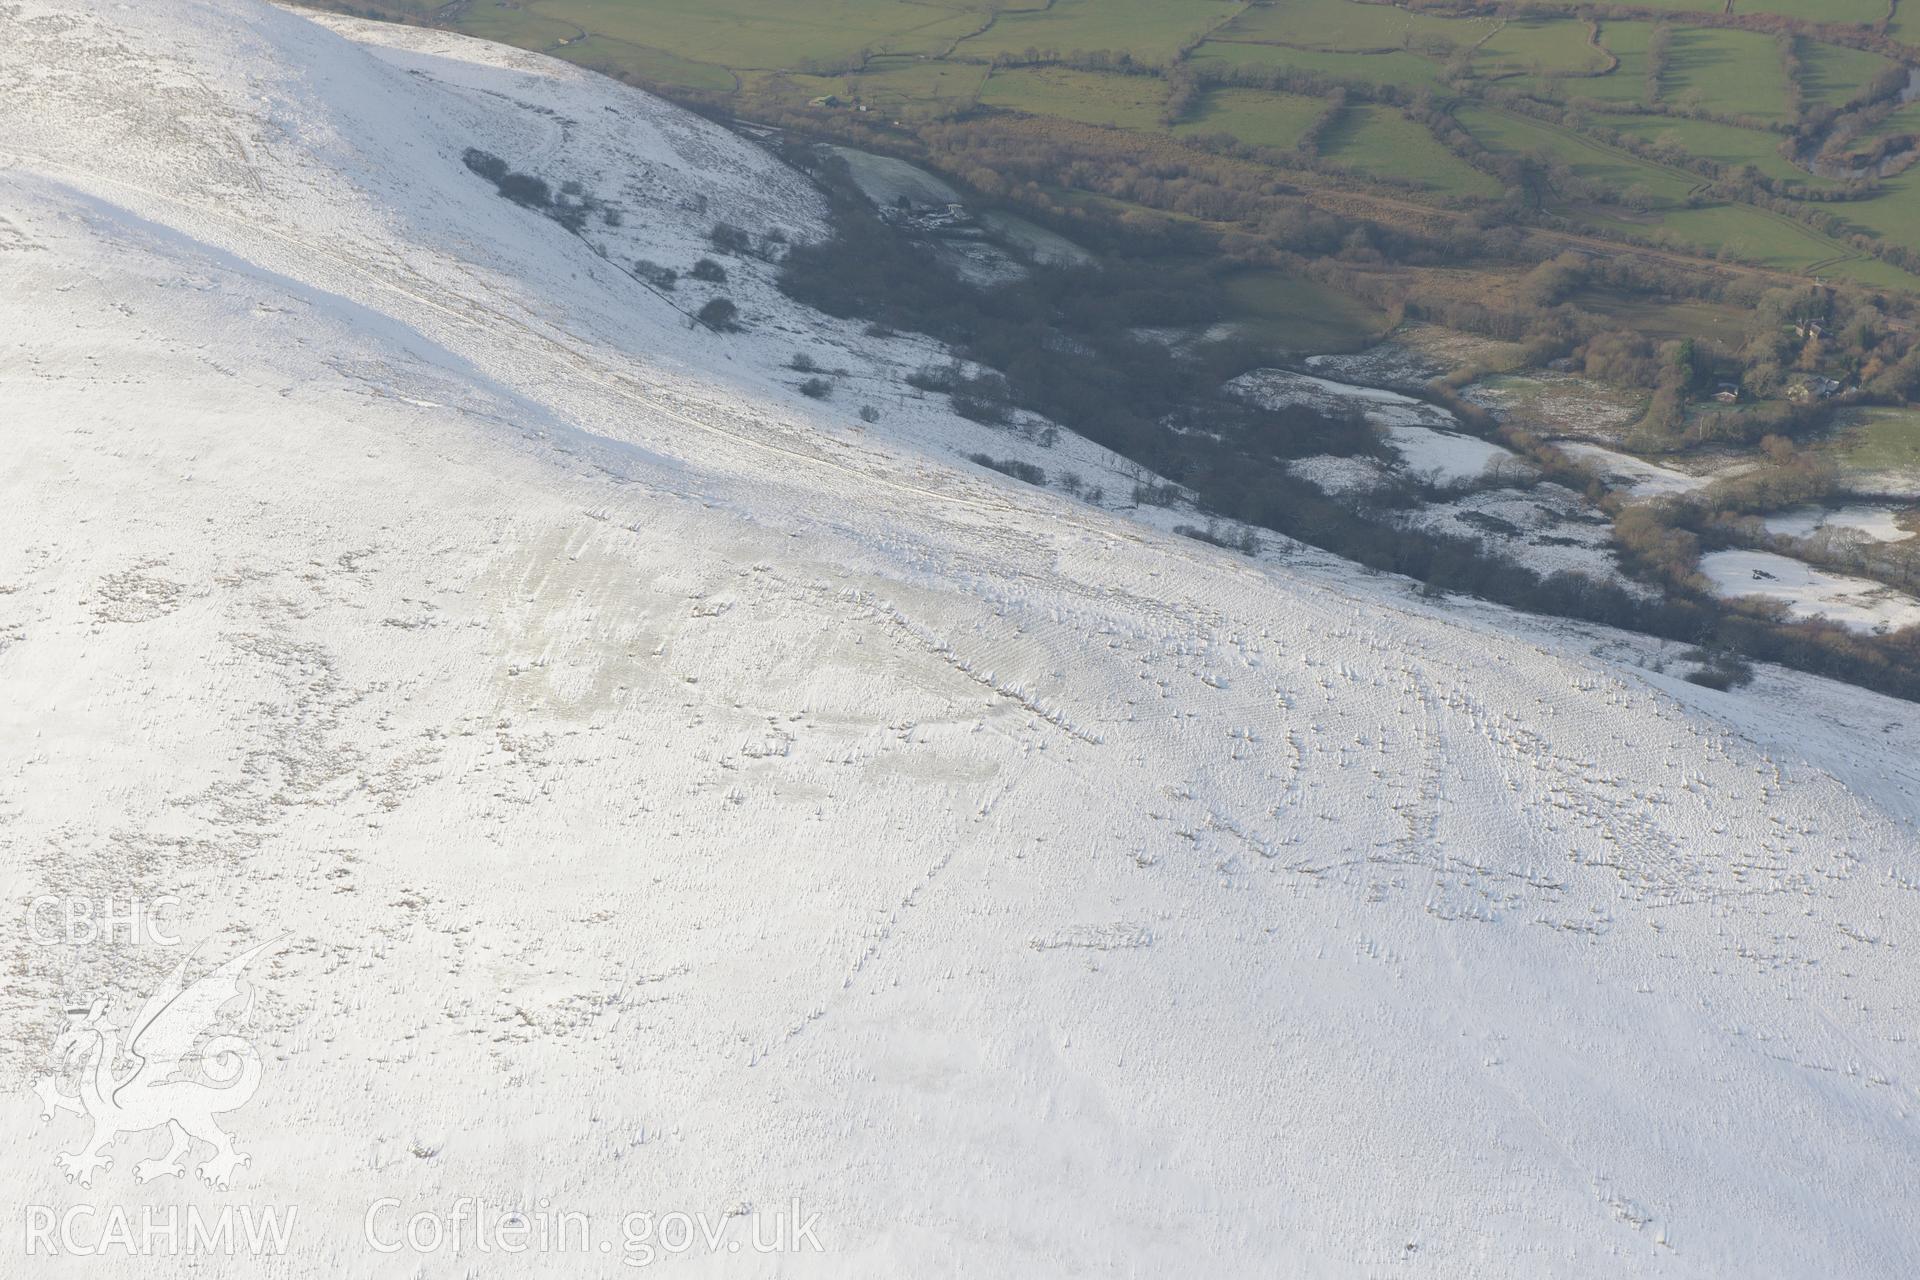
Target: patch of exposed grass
x=1127 y=102
x=1381 y=142
x=1538 y=46
x=1254 y=116
x=1350 y=26
x=1406 y=70
x=1831 y=74
x=1296 y=315
x=1735 y=73
x=1722 y=143
x=1881 y=439
x=1150 y=30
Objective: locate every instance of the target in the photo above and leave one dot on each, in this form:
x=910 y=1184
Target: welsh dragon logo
x=181 y=1067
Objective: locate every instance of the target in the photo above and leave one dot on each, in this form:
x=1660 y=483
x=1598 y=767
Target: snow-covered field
x=1860 y=603
x=885 y=179
x=1032 y=238
x=1421 y=433
x=1877 y=521
x=1548 y=528
x=1388 y=364
x=665 y=792
x=1637 y=476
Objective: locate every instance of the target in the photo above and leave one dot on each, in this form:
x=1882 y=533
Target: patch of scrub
x=1340 y=476
x=1860 y=604
x=980 y=263
x=1457 y=349
x=1547 y=528
x=1558 y=404
x=1878 y=522
x=1390 y=364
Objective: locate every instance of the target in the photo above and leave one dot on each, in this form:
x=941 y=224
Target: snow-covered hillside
x=677 y=794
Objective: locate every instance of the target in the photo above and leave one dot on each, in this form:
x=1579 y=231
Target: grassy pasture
x=517 y=27
x=928 y=57
x=1127 y=102
x=655 y=66
x=1348 y=26
x=1872 y=271
x=1663 y=320
x=1735 y=72
x=1380 y=142
x=1756 y=236
x=1722 y=143
x=1893 y=213
x=1682 y=6
x=1538 y=46
x=1292 y=314
x=749 y=33
x=1151 y=30
x=1881 y=439
x=1590 y=161
x=1860 y=12
x=1627 y=83
x=1407 y=70
x=951 y=84
x=1905 y=119
x=1830 y=74
x=1254 y=116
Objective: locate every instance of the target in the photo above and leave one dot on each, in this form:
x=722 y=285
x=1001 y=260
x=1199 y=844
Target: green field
x=1662 y=320
x=753 y=34
x=915 y=61
x=1722 y=143
x=1254 y=116
x=1736 y=73
x=1903 y=120
x=1860 y=12
x=1300 y=315
x=519 y=27
x=1380 y=142
x=1345 y=25
x=1405 y=70
x=1750 y=234
x=1590 y=161
x=1539 y=46
x=1830 y=74
x=1152 y=30
x=1127 y=102
x=1894 y=213
x=1767 y=240
x=655 y=66
x=1627 y=83
x=1682 y=6
x=1883 y=440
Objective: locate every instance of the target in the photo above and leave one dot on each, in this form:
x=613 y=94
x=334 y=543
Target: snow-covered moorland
x=666 y=792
